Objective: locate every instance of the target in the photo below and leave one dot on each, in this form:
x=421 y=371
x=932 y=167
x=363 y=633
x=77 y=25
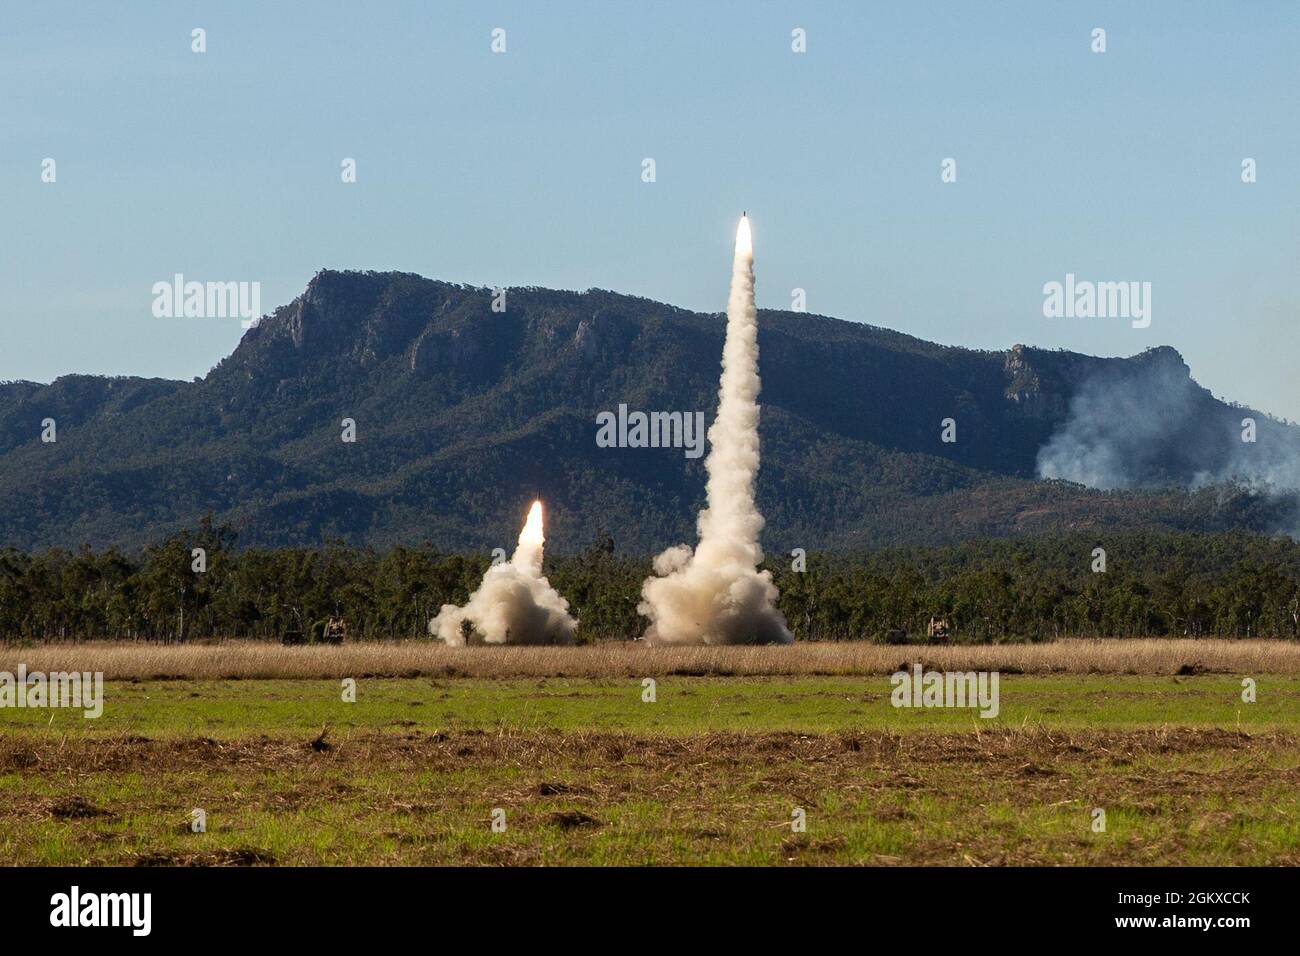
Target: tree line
x=198 y=585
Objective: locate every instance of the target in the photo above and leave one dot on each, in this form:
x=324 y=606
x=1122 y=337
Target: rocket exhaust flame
x=531 y=536
x=744 y=240
x=515 y=604
x=716 y=594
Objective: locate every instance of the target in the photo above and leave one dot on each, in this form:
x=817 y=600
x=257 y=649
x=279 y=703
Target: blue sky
x=524 y=168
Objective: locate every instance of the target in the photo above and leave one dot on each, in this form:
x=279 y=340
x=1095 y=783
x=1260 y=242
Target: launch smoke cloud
x=515 y=604
x=716 y=594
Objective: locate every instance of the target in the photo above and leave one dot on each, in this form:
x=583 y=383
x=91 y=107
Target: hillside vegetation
x=463 y=415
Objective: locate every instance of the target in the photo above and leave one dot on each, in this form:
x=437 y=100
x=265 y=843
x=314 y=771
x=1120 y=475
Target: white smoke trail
x=717 y=595
x=515 y=604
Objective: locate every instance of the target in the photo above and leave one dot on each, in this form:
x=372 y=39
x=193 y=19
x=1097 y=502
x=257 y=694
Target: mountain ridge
x=464 y=414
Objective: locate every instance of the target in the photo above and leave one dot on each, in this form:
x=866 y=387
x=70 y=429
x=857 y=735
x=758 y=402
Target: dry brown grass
x=235 y=660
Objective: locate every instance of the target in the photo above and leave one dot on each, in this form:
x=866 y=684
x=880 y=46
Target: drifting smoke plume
x=716 y=594
x=1153 y=425
x=1130 y=427
x=515 y=604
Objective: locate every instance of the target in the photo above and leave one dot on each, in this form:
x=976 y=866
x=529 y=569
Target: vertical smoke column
x=717 y=595
x=515 y=604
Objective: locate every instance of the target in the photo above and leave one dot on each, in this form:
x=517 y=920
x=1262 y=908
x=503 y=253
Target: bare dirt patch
x=74 y=808
x=241 y=856
x=1018 y=753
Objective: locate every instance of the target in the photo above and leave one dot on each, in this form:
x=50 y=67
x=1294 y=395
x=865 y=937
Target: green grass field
x=684 y=705
x=585 y=772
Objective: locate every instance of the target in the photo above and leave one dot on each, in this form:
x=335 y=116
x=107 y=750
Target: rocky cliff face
x=1025 y=389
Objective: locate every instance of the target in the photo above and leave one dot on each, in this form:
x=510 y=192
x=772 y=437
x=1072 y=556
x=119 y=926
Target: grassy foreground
x=585 y=771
